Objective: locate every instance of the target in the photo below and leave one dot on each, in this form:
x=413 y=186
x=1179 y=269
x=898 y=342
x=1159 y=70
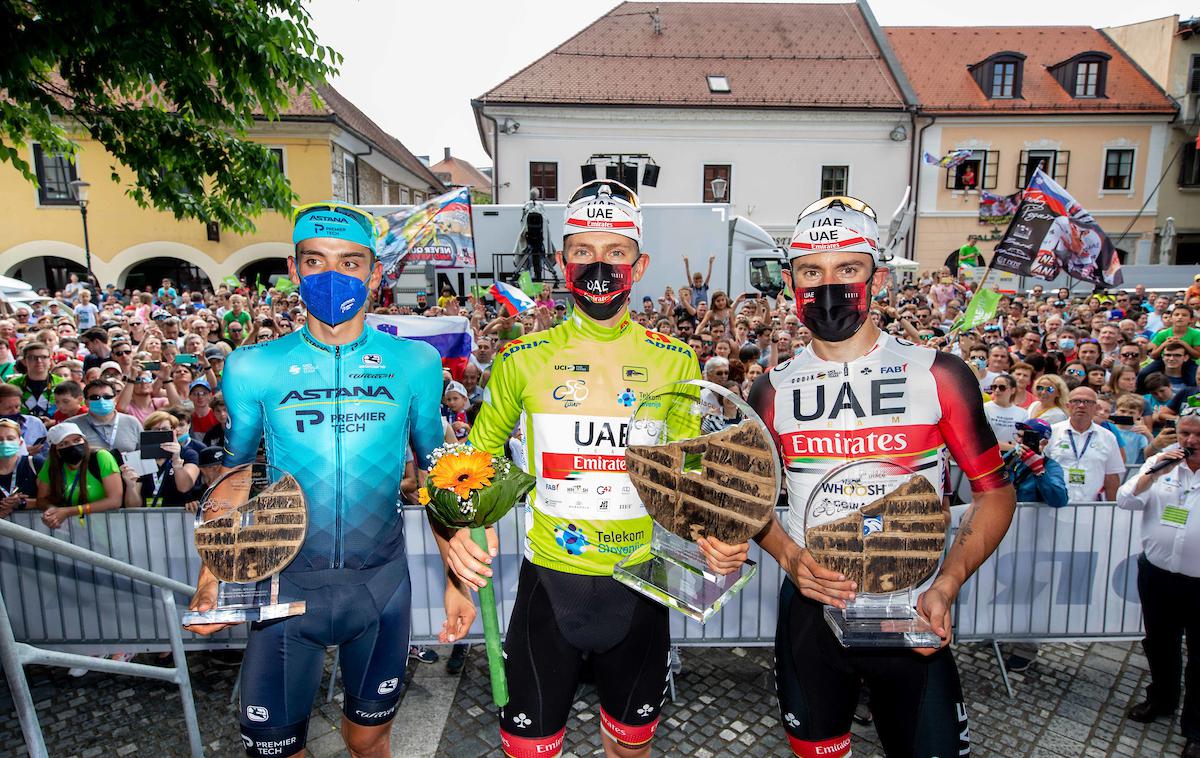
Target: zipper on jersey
x=337 y=458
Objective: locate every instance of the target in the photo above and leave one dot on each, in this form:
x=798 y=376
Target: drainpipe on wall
x=495 y=151
x=918 y=151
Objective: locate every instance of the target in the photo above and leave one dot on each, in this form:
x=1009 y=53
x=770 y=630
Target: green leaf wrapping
x=491 y=503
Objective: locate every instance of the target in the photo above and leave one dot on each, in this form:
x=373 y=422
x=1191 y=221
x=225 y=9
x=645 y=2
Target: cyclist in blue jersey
x=332 y=400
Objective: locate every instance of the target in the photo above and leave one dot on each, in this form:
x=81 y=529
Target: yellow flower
x=423 y=496
x=463 y=472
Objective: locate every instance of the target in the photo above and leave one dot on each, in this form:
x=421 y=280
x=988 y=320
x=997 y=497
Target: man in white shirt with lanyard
x=1088 y=453
x=1169 y=576
x=103 y=426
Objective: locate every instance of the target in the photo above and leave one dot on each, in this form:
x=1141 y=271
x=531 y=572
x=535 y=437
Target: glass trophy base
x=239 y=603
x=880 y=626
x=676 y=576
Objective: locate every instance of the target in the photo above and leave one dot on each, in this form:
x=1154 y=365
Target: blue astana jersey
x=338 y=418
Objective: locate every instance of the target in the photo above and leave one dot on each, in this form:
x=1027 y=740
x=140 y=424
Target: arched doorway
x=148 y=274
x=266 y=269
x=48 y=272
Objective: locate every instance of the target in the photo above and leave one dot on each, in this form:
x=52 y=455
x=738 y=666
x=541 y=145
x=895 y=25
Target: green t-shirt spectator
x=1190 y=337
x=242 y=318
x=105 y=464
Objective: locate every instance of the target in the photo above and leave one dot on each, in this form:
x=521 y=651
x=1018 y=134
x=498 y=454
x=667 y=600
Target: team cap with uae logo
x=603 y=205
x=836 y=225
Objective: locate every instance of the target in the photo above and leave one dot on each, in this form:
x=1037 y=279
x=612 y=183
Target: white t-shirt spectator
x=1085 y=459
x=86 y=313
x=1004 y=420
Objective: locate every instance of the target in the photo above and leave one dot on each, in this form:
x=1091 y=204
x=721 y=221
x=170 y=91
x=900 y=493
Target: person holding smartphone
x=178 y=469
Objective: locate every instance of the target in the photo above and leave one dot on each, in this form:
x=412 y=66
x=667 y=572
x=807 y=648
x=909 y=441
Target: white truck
x=746 y=258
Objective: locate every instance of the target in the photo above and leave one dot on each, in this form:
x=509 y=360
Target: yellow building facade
x=338 y=154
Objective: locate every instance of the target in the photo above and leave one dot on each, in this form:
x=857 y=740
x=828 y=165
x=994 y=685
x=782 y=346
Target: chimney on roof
x=447 y=153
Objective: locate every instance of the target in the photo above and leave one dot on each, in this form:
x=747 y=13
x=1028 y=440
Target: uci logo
x=572 y=390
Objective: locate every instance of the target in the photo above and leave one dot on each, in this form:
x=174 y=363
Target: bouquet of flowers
x=470 y=488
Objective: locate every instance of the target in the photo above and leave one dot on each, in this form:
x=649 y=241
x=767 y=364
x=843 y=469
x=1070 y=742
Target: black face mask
x=600 y=289
x=73 y=454
x=834 y=312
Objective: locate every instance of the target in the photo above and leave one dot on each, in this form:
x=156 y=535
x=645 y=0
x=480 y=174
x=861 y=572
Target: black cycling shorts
x=916 y=700
x=366 y=614
x=557 y=620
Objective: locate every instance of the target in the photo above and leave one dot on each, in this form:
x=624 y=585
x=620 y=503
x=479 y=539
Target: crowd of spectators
x=1075 y=387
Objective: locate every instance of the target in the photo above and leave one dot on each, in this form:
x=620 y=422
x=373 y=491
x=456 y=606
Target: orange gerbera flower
x=464 y=472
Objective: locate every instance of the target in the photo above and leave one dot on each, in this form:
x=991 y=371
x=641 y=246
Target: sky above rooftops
x=414 y=67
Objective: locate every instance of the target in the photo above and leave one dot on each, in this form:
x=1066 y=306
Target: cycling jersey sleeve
x=241 y=387
x=424 y=414
x=963 y=425
x=501 y=409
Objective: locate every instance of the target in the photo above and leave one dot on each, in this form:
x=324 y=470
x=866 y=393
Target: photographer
x=1038 y=478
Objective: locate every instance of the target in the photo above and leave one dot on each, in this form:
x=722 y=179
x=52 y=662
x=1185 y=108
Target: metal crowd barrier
x=1059 y=574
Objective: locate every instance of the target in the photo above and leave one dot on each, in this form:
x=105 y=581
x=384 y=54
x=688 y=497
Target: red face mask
x=600 y=289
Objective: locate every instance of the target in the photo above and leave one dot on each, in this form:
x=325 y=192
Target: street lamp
x=718 y=187
x=79 y=188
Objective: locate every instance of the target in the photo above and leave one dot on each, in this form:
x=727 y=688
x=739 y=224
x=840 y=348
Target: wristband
x=80 y=509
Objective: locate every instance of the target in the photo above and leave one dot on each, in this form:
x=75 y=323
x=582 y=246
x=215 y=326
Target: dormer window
x=1083 y=76
x=999 y=75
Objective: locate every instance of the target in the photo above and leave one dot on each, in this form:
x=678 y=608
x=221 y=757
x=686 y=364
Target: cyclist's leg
x=917 y=703
x=543 y=671
x=816 y=686
x=281 y=671
x=373 y=665
x=631 y=679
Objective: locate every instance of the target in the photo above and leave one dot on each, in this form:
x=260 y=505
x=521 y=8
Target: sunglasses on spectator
x=1000 y=388
x=1191 y=410
x=101 y=397
x=1047 y=390
x=121 y=353
x=1131 y=355
x=1076 y=372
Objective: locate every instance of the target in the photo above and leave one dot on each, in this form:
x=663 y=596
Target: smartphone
x=185 y=359
x=1031 y=440
x=1169 y=423
x=150 y=444
x=1121 y=420
x=151 y=366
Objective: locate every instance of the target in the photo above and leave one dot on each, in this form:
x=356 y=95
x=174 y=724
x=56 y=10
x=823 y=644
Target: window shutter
x=950 y=172
x=1061 y=166
x=991 y=169
x=1022 y=165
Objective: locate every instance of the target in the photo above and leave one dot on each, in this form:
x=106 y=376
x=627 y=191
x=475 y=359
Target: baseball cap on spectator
x=214 y=354
x=456 y=387
x=1035 y=425
x=113 y=365
x=60 y=432
x=160 y=315
x=211 y=456
x=1196 y=278
x=560 y=305
x=201 y=382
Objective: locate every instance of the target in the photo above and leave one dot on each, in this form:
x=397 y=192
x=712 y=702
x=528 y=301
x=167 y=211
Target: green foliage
x=170 y=89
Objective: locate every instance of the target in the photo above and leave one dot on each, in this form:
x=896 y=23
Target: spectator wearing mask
x=33 y=430
x=104 y=427
x=76 y=480
x=18 y=473
x=173 y=483
x=183 y=429
x=68 y=401
x=1169 y=578
x=1087 y=452
x=1001 y=414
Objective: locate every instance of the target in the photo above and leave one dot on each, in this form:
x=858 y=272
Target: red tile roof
x=461 y=174
x=774 y=55
x=935 y=60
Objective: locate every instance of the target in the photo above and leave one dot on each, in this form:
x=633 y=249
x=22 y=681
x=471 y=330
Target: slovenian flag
x=511 y=298
x=451 y=335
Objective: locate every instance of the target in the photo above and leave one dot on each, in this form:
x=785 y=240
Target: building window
x=1031 y=160
x=543 y=176
x=417 y=197
x=718 y=84
x=1194 y=76
x=401 y=195
x=835 y=180
x=1118 y=169
x=1004 y=79
x=980 y=171
x=54 y=174
x=714 y=172
x=277 y=154
x=1087 y=79
x=350 y=179
x=1189 y=172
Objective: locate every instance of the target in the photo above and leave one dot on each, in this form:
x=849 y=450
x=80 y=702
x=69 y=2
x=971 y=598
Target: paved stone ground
x=1070 y=703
